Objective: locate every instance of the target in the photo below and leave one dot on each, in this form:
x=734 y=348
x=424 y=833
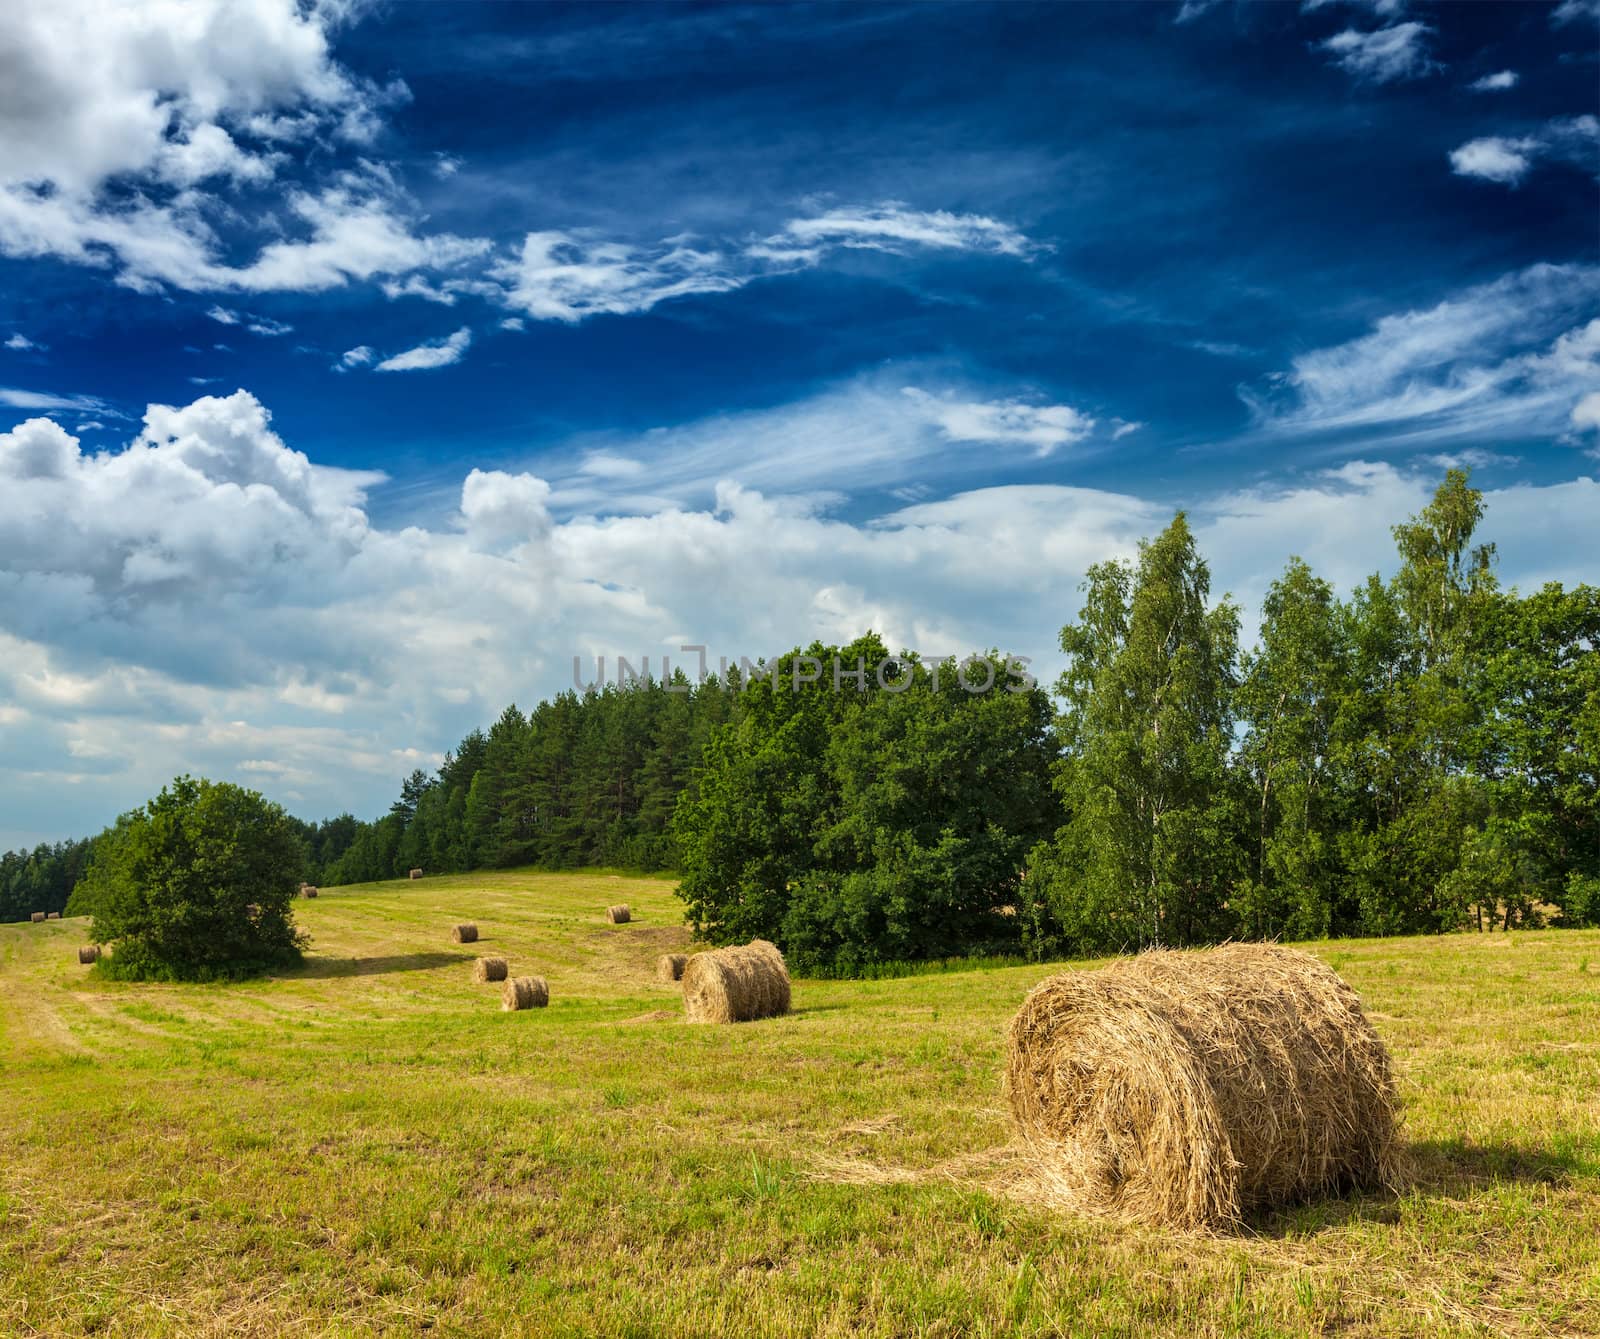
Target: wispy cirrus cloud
x=1503 y=359
x=566 y=276
x=438 y=353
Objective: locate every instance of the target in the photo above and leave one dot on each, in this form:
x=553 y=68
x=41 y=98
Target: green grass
x=367 y=1145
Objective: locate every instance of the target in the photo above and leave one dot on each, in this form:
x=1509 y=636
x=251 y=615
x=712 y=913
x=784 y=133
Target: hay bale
x=1188 y=1089
x=37 y=918
x=308 y=890
x=489 y=969
x=52 y=916
x=618 y=915
x=465 y=934
x=415 y=874
x=89 y=953
x=734 y=985
x=669 y=966
x=525 y=992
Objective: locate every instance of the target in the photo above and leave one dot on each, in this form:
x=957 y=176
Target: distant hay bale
x=489 y=969
x=619 y=914
x=308 y=890
x=525 y=992
x=89 y=953
x=1188 y=1089
x=415 y=874
x=669 y=966
x=465 y=934
x=37 y=917
x=735 y=985
x=52 y=916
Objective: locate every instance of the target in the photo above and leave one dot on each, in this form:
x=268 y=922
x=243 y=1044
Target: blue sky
x=364 y=363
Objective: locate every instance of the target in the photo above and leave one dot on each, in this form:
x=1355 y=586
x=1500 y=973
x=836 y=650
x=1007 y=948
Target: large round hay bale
x=89 y=953
x=618 y=915
x=466 y=933
x=1188 y=1089
x=669 y=966
x=37 y=918
x=489 y=969
x=52 y=915
x=734 y=985
x=414 y=874
x=525 y=992
x=308 y=890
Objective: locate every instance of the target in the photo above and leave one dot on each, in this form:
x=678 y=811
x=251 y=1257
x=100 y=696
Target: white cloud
x=1507 y=358
x=20 y=342
x=209 y=599
x=896 y=227
x=1586 y=413
x=48 y=400
x=125 y=151
x=1497 y=82
x=560 y=276
x=1383 y=8
x=512 y=323
x=439 y=353
x=1493 y=159
x=1386 y=55
x=608 y=465
x=359 y=356
x=1044 y=427
x=1506 y=161
x=260 y=325
x=566 y=276
x=1121 y=429
x=1571 y=11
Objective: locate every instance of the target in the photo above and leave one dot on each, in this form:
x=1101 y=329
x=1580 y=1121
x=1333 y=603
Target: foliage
x=869 y=823
x=197 y=885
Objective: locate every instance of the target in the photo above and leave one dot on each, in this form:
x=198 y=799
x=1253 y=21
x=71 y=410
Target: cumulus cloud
x=20 y=343
x=208 y=597
x=1494 y=159
x=438 y=353
x=187 y=103
x=1385 y=55
x=1507 y=358
x=359 y=356
x=1506 y=161
x=1498 y=82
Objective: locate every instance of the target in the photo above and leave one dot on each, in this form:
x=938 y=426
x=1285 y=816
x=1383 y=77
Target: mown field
x=369 y=1146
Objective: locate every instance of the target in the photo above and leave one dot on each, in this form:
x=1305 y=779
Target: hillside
x=368 y=1145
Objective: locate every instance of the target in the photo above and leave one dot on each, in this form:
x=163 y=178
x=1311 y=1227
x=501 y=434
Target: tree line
x=1420 y=755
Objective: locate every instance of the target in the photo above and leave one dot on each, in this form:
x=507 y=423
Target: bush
x=198 y=885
